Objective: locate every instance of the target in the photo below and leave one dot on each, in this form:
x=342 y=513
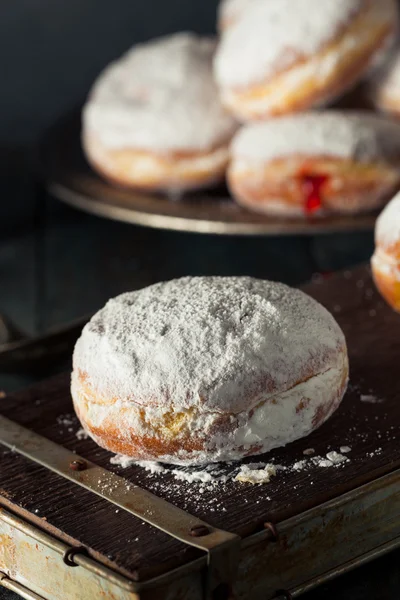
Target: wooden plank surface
x=372 y=431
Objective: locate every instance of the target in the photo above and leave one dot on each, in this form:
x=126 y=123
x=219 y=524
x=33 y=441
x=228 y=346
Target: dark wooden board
x=373 y=335
x=69 y=178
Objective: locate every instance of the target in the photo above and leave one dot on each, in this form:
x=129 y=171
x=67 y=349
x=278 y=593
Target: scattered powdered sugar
x=322 y=462
x=370 y=399
x=345 y=449
x=195 y=476
x=336 y=458
x=153 y=468
x=81 y=434
x=123 y=461
x=66 y=423
x=308 y=451
x=254 y=473
x=149 y=465
x=300 y=465
x=375 y=452
x=332 y=459
x=65 y=420
x=210 y=473
x=359 y=135
x=216 y=474
x=160 y=96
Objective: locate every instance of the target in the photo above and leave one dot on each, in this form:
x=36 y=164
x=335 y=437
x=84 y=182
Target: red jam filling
x=312 y=187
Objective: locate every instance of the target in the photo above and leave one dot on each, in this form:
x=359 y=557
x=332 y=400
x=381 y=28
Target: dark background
x=51 y=51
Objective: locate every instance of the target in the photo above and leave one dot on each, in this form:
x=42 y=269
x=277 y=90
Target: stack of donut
x=182 y=112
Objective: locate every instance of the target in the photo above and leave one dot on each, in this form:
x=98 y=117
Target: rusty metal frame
x=14 y=586
x=343 y=569
x=369 y=526
x=222 y=547
x=258 y=546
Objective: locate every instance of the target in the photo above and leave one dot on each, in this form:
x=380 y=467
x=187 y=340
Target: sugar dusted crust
x=385 y=84
x=360 y=136
x=357 y=153
x=385 y=262
x=307 y=76
x=387 y=229
x=169 y=171
x=389 y=102
x=386 y=274
x=190 y=437
x=276 y=187
x=230 y=11
x=159 y=97
x=206 y=369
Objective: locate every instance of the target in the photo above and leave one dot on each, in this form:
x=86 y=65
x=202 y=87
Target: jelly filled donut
x=153 y=119
x=206 y=369
x=385 y=86
x=316 y=163
x=284 y=56
x=386 y=259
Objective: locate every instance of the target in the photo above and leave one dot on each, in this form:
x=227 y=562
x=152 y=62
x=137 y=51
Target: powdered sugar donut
x=154 y=120
x=284 y=56
x=230 y=11
x=385 y=262
x=316 y=163
x=385 y=86
x=206 y=369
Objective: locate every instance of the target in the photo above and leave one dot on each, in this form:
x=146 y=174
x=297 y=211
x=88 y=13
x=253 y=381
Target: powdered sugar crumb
x=252 y=473
x=300 y=465
x=81 y=434
x=336 y=458
x=218 y=474
x=345 y=449
x=370 y=399
x=322 y=462
x=65 y=420
x=195 y=476
x=308 y=451
x=122 y=461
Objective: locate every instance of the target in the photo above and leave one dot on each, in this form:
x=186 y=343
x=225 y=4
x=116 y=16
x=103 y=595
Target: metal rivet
x=70 y=554
x=272 y=529
x=199 y=531
x=78 y=465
